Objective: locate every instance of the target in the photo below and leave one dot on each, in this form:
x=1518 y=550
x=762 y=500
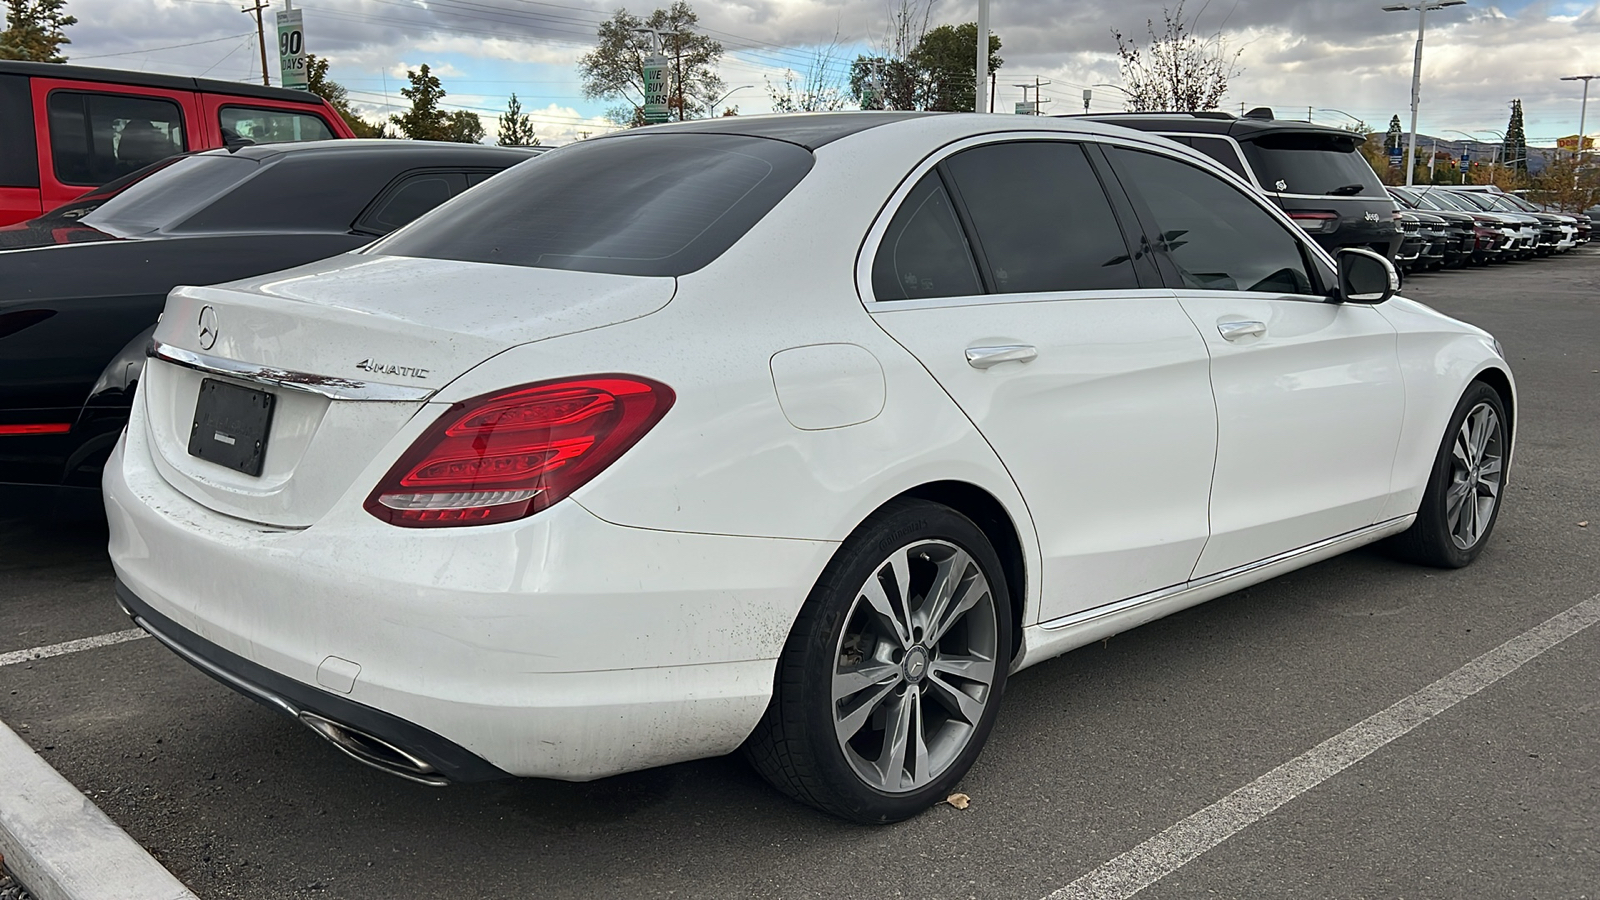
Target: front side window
x=1217 y=238
x=247 y=125
x=636 y=204
x=1042 y=218
x=924 y=253
x=95 y=138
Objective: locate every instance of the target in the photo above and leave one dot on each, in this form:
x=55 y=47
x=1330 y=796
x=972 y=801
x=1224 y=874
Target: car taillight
x=510 y=454
x=1315 y=222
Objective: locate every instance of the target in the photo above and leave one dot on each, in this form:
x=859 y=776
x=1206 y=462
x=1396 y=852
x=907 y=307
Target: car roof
x=149 y=79
x=1219 y=123
x=814 y=130
x=444 y=151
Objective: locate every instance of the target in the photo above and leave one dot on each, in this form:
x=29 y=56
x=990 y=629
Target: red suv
x=65 y=130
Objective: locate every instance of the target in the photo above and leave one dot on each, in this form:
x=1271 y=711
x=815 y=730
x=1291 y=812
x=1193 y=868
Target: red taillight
x=1315 y=221
x=508 y=455
x=37 y=428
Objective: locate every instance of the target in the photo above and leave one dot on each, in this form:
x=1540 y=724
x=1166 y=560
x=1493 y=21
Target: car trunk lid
x=345 y=352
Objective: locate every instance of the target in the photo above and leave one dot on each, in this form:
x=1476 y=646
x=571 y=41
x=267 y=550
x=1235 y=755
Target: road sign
x=655 y=89
x=292 y=50
x=1395 y=156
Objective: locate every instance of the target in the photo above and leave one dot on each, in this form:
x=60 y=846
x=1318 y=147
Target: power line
x=242 y=34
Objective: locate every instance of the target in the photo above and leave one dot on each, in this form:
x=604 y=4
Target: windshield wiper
x=1348 y=190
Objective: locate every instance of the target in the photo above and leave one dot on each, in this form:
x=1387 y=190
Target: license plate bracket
x=230 y=426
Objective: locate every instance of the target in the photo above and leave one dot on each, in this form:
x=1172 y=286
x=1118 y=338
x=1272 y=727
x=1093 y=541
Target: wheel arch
x=998 y=525
x=1497 y=378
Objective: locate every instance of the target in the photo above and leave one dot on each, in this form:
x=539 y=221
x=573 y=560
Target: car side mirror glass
x=1366 y=277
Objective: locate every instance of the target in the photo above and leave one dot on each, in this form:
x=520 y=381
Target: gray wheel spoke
x=851 y=723
x=957 y=701
x=850 y=682
x=966 y=591
x=972 y=668
x=1490 y=469
x=874 y=594
x=892 y=761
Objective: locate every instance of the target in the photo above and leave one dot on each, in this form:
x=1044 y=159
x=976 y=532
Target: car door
x=90 y=133
x=1005 y=271
x=1308 y=391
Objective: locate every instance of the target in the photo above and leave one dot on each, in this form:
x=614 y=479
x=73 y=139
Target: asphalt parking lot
x=1496 y=796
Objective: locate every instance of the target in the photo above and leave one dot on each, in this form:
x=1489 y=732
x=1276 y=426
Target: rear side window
x=95 y=138
x=1218 y=239
x=1222 y=151
x=410 y=198
x=924 y=253
x=1042 y=218
x=642 y=204
x=1319 y=164
x=241 y=124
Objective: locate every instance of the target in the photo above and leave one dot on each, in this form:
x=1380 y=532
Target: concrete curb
x=60 y=846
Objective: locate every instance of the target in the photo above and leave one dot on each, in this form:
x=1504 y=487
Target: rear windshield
x=1320 y=164
x=642 y=204
x=157 y=199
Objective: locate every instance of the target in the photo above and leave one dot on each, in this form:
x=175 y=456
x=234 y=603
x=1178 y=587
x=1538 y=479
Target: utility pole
x=261 y=37
x=981 y=105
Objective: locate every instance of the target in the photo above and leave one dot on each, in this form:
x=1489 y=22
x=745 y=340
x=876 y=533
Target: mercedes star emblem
x=207 y=327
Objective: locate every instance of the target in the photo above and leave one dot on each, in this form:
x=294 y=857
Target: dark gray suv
x=1316 y=174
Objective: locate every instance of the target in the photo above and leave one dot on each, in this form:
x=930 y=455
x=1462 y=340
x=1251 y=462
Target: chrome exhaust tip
x=373 y=751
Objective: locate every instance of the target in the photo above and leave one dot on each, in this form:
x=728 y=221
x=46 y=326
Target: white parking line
x=65 y=647
x=1165 y=853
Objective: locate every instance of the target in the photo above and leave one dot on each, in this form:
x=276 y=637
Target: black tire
x=796 y=746
x=1433 y=539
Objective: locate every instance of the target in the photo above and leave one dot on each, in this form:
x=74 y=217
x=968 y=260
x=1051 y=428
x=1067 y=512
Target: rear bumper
x=401 y=748
x=559 y=646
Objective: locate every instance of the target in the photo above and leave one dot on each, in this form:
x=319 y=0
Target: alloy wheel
x=914 y=667
x=1476 y=470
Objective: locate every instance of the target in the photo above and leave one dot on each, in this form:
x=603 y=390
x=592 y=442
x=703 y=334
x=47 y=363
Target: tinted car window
x=1222 y=151
x=97 y=137
x=1043 y=220
x=265 y=126
x=660 y=204
x=1321 y=164
x=169 y=194
x=413 y=196
x=924 y=253
x=1218 y=238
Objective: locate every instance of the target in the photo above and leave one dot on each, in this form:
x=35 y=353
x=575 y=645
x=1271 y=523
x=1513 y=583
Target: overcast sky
x=1298 y=54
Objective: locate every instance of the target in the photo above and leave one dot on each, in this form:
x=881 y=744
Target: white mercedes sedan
x=792 y=434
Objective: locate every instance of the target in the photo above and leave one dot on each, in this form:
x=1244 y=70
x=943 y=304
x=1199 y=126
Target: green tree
x=1178 y=70
x=332 y=91
x=1395 y=138
x=614 y=69
x=1516 y=152
x=937 y=73
x=516 y=129
x=35 y=30
x=425 y=121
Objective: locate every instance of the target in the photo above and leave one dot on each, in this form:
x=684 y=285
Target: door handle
x=984 y=357
x=1232 y=331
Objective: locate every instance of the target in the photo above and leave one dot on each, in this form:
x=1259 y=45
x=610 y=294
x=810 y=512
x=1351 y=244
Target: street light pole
x=1583 y=111
x=1416 y=71
x=711 y=108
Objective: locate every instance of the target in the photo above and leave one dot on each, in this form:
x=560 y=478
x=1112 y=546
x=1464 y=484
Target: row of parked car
x=1475 y=225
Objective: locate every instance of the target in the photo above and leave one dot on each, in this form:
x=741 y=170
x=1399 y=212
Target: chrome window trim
x=333 y=388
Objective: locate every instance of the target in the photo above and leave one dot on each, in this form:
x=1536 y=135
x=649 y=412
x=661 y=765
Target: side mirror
x=1366 y=277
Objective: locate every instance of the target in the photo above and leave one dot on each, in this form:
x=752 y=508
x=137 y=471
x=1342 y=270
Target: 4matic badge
x=382 y=368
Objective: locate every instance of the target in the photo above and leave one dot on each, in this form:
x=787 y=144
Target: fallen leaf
x=959 y=801
x=1583 y=524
